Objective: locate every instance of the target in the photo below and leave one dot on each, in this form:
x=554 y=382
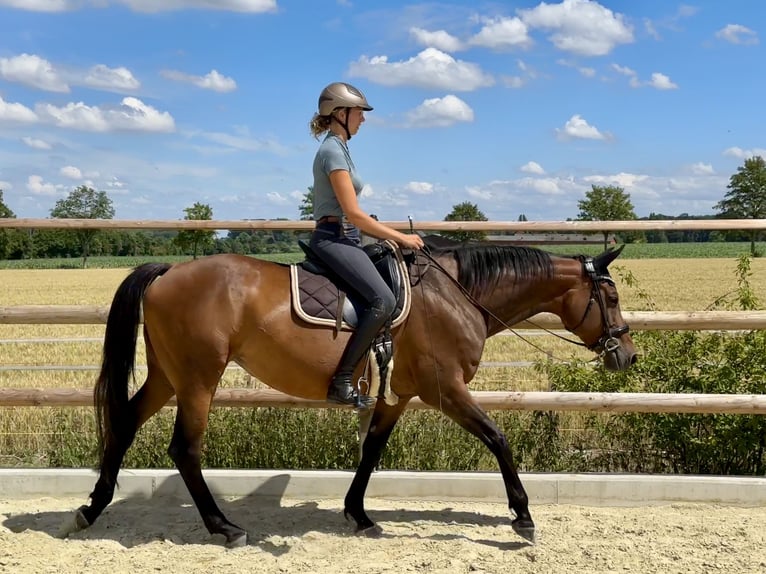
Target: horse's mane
x=481 y=266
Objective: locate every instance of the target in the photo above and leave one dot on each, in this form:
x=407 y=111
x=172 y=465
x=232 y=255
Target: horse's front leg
x=383 y=421
x=460 y=406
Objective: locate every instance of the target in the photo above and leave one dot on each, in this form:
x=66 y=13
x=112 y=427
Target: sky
x=517 y=107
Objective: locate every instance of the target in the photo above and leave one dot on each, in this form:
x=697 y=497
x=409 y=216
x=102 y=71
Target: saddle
x=320 y=297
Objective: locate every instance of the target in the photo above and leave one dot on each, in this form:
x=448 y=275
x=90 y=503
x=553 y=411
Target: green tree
x=606 y=203
x=84 y=203
x=195 y=240
x=746 y=198
x=465 y=211
x=7 y=236
x=307 y=205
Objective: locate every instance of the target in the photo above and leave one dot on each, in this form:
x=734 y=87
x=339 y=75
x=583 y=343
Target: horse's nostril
x=633 y=358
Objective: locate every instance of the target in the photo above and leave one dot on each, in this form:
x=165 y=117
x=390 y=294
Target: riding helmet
x=341 y=95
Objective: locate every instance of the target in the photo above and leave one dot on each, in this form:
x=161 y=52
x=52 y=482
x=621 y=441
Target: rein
x=608 y=342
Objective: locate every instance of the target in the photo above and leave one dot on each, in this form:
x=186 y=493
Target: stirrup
x=342 y=392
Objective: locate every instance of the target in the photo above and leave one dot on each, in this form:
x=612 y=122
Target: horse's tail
x=110 y=395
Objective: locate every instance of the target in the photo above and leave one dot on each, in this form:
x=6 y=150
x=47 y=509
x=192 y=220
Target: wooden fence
x=603 y=402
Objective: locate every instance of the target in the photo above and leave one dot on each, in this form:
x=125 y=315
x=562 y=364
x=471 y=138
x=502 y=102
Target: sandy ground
x=166 y=535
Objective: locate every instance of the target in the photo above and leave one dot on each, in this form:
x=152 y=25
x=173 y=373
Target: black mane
x=482 y=265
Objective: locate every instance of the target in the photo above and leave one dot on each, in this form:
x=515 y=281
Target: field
x=672 y=284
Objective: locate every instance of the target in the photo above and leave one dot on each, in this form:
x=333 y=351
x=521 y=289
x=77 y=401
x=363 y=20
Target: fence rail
x=293 y=225
x=489 y=400
x=638 y=320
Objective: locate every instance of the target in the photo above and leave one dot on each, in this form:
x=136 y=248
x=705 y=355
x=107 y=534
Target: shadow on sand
x=138 y=520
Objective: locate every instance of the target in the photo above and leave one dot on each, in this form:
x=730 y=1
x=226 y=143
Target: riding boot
x=342 y=389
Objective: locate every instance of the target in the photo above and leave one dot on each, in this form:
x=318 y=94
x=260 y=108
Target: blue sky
x=518 y=107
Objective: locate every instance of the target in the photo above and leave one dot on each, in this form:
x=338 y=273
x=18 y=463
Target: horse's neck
x=517 y=300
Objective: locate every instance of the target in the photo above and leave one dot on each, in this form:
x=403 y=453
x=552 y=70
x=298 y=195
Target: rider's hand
x=414 y=242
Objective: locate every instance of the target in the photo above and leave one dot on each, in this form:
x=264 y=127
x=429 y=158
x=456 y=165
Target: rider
x=336 y=237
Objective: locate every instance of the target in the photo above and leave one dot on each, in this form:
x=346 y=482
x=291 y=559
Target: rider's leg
x=346 y=258
x=342 y=389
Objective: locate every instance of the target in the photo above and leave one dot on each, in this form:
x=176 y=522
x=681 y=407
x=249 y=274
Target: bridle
x=609 y=341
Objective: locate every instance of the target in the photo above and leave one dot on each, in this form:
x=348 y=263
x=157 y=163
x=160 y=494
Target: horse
x=200 y=315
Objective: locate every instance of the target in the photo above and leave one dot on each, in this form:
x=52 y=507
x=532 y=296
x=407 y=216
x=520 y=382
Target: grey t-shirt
x=332 y=155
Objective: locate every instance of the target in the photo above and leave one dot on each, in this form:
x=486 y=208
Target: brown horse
x=203 y=314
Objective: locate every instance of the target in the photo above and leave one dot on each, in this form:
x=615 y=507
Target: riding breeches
x=348 y=261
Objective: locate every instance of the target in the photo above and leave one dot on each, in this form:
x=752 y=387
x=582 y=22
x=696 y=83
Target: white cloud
x=479 y=193
x=737 y=34
x=585 y=71
x=40 y=5
x=658 y=81
x=502 y=34
x=740 y=153
x=630 y=73
x=651 y=29
x=514 y=82
x=245 y=142
x=112 y=79
x=275 y=197
x=32 y=71
x=624 y=70
x=71 y=172
x=131 y=115
x=440 y=39
x=431 y=68
x=5 y=185
x=440 y=112
x=10 y=112
x=582 y=27
x=578 y=128
x=702 y=169
x=532 y=167
x=622 y=179
x=35 y=143
x=420 y=187
x=213 y=80
x=253 y=6
x=37 y=186
x=662 y=82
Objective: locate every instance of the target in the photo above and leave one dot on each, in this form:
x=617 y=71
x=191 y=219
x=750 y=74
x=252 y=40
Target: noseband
x=609 y=341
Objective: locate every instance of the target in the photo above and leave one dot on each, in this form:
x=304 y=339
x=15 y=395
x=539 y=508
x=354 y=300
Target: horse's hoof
x=239 y=541
x=373 y=531
x=525 y=531
x=79 y=519
x=75 y=524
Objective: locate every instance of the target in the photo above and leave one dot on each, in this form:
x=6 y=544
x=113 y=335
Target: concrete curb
x=583 y=489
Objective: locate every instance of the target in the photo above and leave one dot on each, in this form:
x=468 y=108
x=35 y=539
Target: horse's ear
x=602 y=261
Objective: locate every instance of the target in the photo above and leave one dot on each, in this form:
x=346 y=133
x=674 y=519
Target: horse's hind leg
x=186 y=449
x=151 y=397
x=383 y=421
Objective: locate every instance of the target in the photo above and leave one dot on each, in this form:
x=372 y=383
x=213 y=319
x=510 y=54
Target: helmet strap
x=344 y=124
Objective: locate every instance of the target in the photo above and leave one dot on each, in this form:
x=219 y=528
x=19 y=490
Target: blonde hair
x=319 y=125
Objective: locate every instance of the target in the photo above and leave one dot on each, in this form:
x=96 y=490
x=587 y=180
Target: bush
x=680 y=362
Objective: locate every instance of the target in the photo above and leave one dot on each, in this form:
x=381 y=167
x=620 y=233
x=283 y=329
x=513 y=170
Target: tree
x=195 y=240
x=84 y=203
x=8 y=237
x=606 y=203
x=746 y=198
x=307 y=205
x=465 y=211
